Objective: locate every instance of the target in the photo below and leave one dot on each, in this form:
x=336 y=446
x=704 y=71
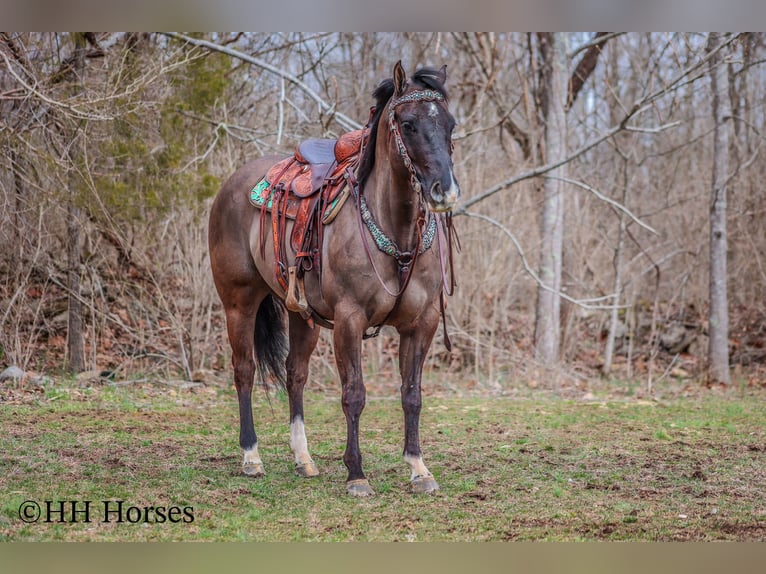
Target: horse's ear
x=400 y=79
x=443 y=74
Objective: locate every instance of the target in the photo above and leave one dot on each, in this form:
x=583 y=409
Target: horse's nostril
x=436 y=191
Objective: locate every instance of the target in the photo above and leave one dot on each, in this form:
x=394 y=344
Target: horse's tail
x=271 y=343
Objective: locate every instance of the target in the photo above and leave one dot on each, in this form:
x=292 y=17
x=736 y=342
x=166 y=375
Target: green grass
x=509 y=469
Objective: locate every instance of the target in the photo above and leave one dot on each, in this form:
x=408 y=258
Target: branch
x=584 y=303
x=73 y=110
x=599 y=38
x=743 y=166
x=514 y=130
x=344 y=121
x=538 y=171
x=585 y=67
x=18 y=53
x=655 y=130
x=88 y=109
x=481 y=129
x=616 y=204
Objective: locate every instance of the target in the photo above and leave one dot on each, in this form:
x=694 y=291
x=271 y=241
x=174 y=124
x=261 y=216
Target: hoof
x=359 y=487
x=254 y=469
x=424 y=485
x=307 y=469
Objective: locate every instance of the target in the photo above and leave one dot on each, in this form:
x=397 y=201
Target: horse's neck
x=394 y=205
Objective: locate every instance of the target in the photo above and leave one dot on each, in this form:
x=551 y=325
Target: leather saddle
x=315 y=162
x=317 y=165
x=309 y=188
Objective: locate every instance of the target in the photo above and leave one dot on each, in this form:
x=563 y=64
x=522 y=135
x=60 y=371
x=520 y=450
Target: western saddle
x=309 y=187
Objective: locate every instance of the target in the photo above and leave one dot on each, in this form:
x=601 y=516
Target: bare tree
x=552 y=48
x=718 y=319
x=75 y=344
x=619 y=253
x=557 y=92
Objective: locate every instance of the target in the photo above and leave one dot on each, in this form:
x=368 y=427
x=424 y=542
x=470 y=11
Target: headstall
x=393 y=126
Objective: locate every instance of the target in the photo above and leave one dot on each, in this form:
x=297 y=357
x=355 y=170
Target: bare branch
x=343 y=120
x=600 y=38
x=88 y=109
x=73 y=110
x=616 y=204
x=538 y=171
x=584 y=303
x=655 y=130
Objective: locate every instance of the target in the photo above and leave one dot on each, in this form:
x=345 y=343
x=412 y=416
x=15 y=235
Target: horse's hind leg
x=413 y=347
x=303 y=339
x=240 y=324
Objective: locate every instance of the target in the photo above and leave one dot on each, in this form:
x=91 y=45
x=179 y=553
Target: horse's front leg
x=347 y=341
x=413 y=346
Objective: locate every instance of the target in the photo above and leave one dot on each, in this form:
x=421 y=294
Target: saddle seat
x=325 y=151
x=316 y=151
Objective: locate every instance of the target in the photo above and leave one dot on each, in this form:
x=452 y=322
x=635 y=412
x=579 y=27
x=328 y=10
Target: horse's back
x=231 y=219
x=239 y=184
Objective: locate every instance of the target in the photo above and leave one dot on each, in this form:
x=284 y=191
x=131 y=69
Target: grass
x=510 y=469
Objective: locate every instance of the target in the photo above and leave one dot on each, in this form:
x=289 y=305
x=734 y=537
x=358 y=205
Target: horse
x=378 y=264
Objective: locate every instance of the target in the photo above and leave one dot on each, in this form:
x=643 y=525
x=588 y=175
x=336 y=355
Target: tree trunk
x=17 y=249
x=548 y=311
x=718 y=320
x=619 y=141
x=617 y=284
x=75 y=344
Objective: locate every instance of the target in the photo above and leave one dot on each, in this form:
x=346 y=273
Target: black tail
x=271 y=343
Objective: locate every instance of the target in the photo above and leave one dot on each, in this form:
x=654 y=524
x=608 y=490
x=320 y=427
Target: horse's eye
x=408 y=127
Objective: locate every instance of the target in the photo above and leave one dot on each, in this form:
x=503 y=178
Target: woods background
x=595 y=170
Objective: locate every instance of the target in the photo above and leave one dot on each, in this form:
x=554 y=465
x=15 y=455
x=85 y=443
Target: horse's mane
x=425 y=78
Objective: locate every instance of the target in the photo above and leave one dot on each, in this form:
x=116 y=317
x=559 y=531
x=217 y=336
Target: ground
x=523 y=464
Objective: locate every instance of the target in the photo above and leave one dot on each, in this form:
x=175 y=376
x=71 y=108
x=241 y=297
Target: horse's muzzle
x=441 y=200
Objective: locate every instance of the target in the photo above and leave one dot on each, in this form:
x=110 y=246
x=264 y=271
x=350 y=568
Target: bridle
x=393 y=128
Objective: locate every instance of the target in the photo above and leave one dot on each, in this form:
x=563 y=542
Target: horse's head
x=420 y=126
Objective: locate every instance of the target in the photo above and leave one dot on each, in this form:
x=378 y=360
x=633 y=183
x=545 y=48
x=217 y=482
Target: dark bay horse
x=383 y=262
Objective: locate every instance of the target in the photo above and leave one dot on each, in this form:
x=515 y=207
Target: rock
x=676 y=339
x=203 y=376
x=12 y=373
x=41 y=380
x=698 y=346
x=87 y=376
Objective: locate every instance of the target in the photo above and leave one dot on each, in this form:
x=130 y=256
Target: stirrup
x=296 y=304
